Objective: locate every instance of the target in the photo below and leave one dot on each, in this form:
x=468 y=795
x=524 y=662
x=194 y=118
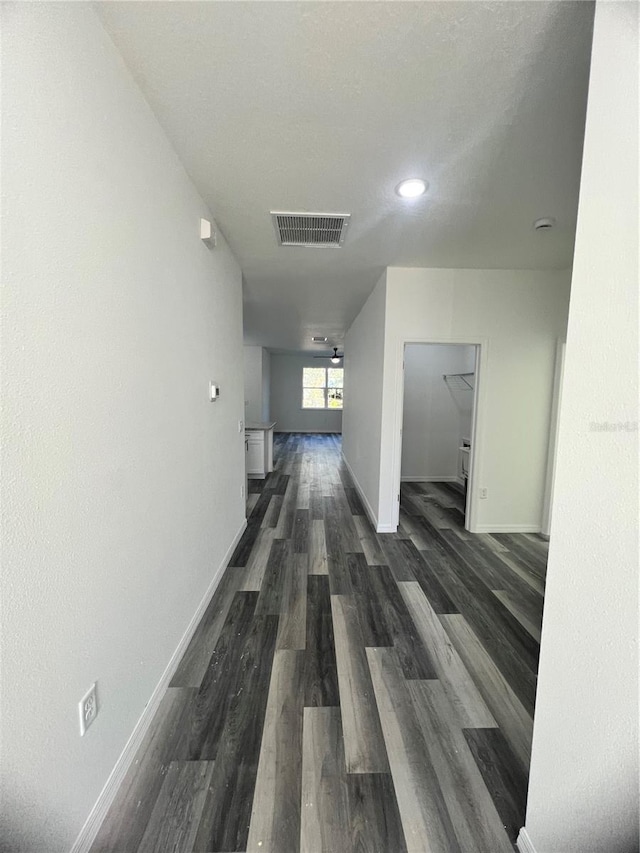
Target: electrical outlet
x=483 y=493
x=88 y=708
x=240 y=426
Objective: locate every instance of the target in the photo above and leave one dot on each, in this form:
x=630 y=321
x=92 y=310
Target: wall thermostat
x=207 y=233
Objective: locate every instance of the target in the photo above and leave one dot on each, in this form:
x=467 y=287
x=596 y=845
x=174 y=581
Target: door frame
x=554 y=424
x=477 y=423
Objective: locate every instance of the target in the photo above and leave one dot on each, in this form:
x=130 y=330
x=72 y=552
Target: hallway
x=345 y=690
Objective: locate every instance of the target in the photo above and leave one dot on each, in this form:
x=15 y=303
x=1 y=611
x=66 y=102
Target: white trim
x=325 y=387
x=524 y=843
x=365 y=502
x=386 y=528
x=313 y=431
x=507 y=528
x=99 y=811
x=422 y=479
x=554 y=424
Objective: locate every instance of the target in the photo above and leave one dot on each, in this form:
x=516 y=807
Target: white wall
x=121 y=481
x=520 y=313
x=254 y=375
x=286 y=397
x=362 y=416
x=436 y=414
x=266 y=387
x=583 y=794
x=257 y=384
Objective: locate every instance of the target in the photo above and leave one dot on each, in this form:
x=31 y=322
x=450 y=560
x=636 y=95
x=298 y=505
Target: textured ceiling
x=327 y=106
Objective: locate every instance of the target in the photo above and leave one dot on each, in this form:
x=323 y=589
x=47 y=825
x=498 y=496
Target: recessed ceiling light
x=411 y=188
x=318 y=339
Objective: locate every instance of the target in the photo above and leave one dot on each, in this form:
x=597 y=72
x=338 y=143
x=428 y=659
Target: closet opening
x=438 y=430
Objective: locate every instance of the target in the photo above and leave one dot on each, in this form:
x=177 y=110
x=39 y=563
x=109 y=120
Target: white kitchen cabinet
x=259 y=444
x=255 y=453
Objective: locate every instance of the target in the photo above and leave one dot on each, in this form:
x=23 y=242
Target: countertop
x=253 y=425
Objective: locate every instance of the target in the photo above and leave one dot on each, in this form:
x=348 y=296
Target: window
x=322 y=387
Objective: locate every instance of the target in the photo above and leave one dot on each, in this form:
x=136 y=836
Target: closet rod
x=458 y=381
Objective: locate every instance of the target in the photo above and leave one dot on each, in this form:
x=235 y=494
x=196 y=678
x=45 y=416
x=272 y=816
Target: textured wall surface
x=583 y=794
x=364 y=362
x=121 y=481
x=257 y=384
x=253 y=391
x=265 y=414
x=520 y=313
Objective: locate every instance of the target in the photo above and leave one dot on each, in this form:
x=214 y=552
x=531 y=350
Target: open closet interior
x=439 y=389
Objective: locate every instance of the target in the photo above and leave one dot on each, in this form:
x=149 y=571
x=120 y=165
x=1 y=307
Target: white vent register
x=320 y=230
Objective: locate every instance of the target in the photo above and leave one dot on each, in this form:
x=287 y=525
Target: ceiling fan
x=335 y=358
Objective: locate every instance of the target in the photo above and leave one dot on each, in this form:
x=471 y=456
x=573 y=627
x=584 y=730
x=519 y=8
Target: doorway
x=553 y=439
x=438 y=427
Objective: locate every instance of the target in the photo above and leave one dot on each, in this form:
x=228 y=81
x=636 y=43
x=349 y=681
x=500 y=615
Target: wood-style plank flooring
x=346 y=691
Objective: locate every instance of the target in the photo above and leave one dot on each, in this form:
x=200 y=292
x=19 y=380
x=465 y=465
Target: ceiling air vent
x=323 y=230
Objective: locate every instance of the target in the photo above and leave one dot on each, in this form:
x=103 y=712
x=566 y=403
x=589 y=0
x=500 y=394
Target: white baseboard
x=506 y=528
x=93 y=823
x=379 y=528
x=368 y=509
x=311 y=431
x=523 y=842
x=422 y=479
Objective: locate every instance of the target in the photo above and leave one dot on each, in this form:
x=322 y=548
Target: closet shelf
x=459 y=381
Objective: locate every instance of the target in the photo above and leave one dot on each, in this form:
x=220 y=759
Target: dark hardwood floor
x=346 y=691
